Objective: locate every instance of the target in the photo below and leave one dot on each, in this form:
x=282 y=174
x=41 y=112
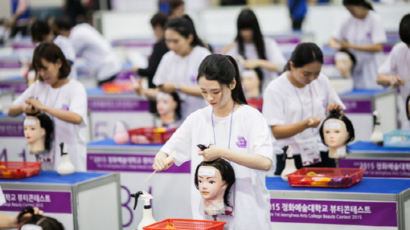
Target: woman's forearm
x=64 y=115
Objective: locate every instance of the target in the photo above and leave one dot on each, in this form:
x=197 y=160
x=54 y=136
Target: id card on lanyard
x=308 y=147
x=309 y=151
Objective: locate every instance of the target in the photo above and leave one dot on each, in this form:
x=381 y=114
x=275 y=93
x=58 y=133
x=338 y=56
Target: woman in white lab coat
x=233 y=131
x=362 y=34
x=294 y=105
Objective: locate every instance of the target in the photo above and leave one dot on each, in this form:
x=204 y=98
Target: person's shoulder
x=199 y=114
x=270 y=41
x=374 y=16
x=322 y=79
x=75 y=84
x=201 y=51
x=400 y=47
x=278 y=83
x=61 y=39
x=229 y=47
x=169 y=56
x=39 y=84
x=249 y=113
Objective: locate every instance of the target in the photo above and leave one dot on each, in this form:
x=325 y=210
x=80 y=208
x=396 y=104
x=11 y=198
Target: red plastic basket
x=151 y=135
x=181 y=224
x=325 y=177
x=18 y=169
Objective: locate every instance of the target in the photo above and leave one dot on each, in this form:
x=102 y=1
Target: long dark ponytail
x=223 y=68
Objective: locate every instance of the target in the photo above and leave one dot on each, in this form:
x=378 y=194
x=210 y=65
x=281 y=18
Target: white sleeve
x=387 y=66
x=378 y=32
x=180 y=143
x=67 y=48
x=261 y=138
x=233 y=52
x=2 y=199
x=331 y=93
x=162 y=70
x=78 y=102
x=275 y=55
x=29 y=92
x=273 y=107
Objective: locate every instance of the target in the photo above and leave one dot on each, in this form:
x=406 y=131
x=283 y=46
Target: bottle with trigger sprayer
x=290 y=166
x=147 y=217
x=65 y=167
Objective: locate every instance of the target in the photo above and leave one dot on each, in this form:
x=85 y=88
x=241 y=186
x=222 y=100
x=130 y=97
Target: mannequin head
x=168 y=105
x=214 y=180
x=336 y=131
x=37 y=222
x=251 y=81
x=345 y=61
x=38 y=131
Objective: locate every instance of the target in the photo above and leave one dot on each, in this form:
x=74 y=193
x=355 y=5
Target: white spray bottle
x=65 y=167
x=147 y=218
x=377 y=135
x=290 y=166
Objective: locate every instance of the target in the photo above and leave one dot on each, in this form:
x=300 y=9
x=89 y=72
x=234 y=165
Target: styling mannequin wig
x=47 y=124
x=336 y=114
x=36 y=222
x=226 y=171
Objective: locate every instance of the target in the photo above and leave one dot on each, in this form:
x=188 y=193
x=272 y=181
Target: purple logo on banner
x=357 y=106
x=11 y=129
x=334 y=212
x=379 y=167
x=128 y=163
x=117 y=104
x=49 y=202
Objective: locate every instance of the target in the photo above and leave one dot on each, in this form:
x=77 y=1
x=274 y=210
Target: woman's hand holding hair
x=28 y=108
x=162 y=161
x=334 y=106
x=212 y=152
x=25 y=215
x=35 y=104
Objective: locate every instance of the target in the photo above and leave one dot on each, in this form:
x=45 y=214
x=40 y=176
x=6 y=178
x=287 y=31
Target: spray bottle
x=65 y=167
x=377 y=135
x=147 y=218
x=290 y=166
